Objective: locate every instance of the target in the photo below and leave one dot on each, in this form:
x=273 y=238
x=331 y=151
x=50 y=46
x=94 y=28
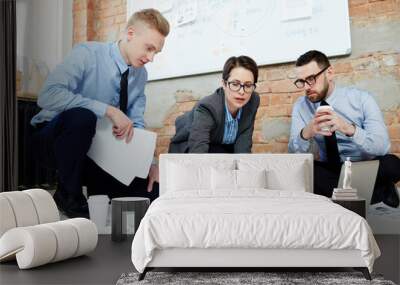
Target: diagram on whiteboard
x=241 y=20
x=204 y=33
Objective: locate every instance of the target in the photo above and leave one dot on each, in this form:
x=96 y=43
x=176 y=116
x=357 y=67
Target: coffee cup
x=324 y=109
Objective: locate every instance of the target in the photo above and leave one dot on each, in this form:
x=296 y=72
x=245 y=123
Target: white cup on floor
x=98 y=211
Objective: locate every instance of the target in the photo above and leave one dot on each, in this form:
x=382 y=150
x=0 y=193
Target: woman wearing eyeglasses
x=224 y=121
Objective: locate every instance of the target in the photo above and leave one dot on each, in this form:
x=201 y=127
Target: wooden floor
x=110 y=259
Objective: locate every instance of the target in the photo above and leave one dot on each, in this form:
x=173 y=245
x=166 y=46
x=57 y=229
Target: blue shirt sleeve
x=58 y=92
x=296 y=143
x=372 y=137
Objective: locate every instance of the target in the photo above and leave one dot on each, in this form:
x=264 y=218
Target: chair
x=363 y=176
x=31 y=231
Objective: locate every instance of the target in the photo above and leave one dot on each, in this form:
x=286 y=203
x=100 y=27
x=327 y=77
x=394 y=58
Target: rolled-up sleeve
x=296 y=143
x=58 y=93
x=372 y=137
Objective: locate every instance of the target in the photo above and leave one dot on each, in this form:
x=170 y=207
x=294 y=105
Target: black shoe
x=72 y=207
x=391 y=197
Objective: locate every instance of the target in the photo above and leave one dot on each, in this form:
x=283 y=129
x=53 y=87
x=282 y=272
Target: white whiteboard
x=205 y=33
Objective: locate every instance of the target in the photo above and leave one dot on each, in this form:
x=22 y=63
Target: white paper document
x=122 y=160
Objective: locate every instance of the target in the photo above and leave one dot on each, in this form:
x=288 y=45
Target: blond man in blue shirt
x=96 y=80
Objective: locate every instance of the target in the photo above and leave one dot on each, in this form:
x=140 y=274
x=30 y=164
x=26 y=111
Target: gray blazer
x=204 y=125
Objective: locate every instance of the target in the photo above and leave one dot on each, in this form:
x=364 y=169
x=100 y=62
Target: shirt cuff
x=299 y=145
x=137 y=125
x=303 y=143
x=155 y=161
x=358 y=136
x=99 y=108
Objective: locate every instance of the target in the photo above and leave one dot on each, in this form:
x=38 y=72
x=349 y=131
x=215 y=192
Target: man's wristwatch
x=301 y=134
x=354 y=125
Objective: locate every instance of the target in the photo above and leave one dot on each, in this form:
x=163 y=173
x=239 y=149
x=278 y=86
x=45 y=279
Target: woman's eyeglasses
x=235 y=86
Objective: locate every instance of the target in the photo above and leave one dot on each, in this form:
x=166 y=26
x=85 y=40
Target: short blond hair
x=151 y=17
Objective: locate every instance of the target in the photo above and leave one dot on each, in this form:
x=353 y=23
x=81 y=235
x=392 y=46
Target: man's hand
x=334 y=122
x=310 y=130
x=153 y=177
x=325 y=123
x=122 y=125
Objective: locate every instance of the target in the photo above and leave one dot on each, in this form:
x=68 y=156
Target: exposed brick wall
x=98 y=20
x=83 y=20
x=105 y=19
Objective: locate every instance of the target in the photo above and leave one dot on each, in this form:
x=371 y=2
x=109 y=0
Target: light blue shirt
x=90 y=78
x=354 y=106
x=231 y=126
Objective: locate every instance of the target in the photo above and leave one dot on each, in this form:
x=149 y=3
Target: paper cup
x=323 y=109
x=98 y=211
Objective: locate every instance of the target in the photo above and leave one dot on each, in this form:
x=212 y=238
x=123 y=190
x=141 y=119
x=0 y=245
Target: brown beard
x=322 y=94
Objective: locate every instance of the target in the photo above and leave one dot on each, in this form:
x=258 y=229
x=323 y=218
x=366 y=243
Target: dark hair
x=313 y=55
x=240 y=61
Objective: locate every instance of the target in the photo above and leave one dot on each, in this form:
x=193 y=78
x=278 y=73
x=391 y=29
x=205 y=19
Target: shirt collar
x=229 y=115
x=119 y=60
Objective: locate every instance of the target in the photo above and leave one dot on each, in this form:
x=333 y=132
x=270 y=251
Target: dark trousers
x=99 y=182
x=63 y=143
x=326 y=177
x=221 y=148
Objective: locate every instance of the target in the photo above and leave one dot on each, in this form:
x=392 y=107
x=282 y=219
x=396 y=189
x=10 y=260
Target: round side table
x=138 y=205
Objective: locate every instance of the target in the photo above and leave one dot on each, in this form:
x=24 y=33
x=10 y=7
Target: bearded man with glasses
x=351 y=127
x=224 y=121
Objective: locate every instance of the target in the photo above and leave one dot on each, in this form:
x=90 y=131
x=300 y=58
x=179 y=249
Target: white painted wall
x=44 y=37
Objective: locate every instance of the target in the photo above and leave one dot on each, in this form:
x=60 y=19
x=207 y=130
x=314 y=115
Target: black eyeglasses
x=235 y=86
x=310 y=80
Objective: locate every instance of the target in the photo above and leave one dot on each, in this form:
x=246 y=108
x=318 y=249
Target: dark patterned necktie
x=332 y=151
x=123 y=93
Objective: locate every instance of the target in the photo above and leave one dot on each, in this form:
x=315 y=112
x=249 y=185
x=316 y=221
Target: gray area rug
x=242 y=278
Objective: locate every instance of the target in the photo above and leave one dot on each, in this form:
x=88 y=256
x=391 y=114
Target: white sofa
x=31 y=233
x=203 y=200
